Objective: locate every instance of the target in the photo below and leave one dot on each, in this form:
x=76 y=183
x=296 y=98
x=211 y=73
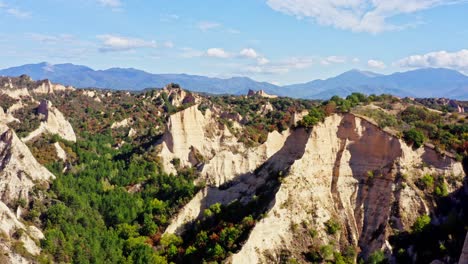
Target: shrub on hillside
x=414 y=137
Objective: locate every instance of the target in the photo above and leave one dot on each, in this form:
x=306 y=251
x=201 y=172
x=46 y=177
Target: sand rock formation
x=61 y=154
x=346 y=170
x=178 y=96
x=260 y=93
x=19 y=173
x=46 y=87
x=54 y=123
x=7 y=117
x=19 y=169
x=195 y=139
x=349 y=173
x=124 y=123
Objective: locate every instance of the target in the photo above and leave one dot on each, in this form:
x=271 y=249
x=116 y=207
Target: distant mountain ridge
x=429 y=82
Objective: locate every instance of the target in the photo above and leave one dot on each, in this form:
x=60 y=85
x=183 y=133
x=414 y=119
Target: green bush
x=315 y=116
x=414 y=137
x=332 y=226
x=378 y=257
x=427 y=182
x=421 y=223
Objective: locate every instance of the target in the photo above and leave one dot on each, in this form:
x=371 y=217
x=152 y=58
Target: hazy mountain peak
x=427 y=82
x=359 y=73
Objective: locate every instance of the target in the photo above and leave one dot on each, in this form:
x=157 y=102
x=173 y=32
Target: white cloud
x=217 y=53
x=110 y=3
x=52 y=39
x=249 y=53
x=281 y=67
x=188 y=53
x=333 y=60
x=112 y=43
x=208 y=25
x=442 y=59
x=262 y=61
x=356 y=15
x=168 y=44
x=376 y=64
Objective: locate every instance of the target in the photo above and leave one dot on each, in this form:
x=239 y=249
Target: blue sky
x=280 y=41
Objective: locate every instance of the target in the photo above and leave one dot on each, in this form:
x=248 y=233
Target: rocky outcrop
x=198 y=139
x=24 y=86
x=19 y=173
x=464 y=254
x=346 y=170
x=18 y=168
x=124 y=123
x=260 y=93
x=54 y=123
x=177 y=96
x=349 y=173
x=7 y=117
x=94 y=94
x=61 y=154
x=46 y=87
x=243 y=187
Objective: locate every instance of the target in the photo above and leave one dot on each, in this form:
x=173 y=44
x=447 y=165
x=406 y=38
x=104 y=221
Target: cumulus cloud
x=376 y=64
x=249 y=53
x=439 y=59
x=356 y=15
x=217 y=53
x=111 y=43
x=333 y=60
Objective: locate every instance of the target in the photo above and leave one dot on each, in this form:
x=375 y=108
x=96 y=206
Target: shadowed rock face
x=373 y=162
x=244 y=186
x=464 y=254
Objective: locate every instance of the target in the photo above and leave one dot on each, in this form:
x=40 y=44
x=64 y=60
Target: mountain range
x=428 y=82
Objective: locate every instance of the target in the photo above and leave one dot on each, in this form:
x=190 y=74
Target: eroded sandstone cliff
x=19 y=173
x=345 y=170
x=54 y=123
